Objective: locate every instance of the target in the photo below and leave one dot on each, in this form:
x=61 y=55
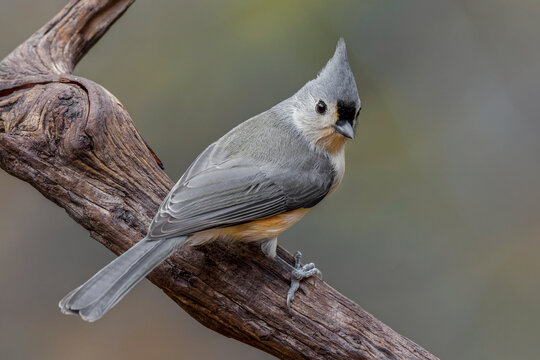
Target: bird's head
x=326 y=108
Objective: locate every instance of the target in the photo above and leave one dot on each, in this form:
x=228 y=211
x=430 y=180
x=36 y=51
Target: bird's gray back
x=268 y=138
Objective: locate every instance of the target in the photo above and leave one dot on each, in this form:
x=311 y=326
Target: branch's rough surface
x=75 y=143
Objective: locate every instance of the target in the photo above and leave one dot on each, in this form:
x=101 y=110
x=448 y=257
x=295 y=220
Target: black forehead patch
x=346 y=110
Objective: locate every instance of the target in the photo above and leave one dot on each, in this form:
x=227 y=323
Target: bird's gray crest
x=337 y=77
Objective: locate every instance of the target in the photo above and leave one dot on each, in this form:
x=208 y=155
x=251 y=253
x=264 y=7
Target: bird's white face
x=326 y=123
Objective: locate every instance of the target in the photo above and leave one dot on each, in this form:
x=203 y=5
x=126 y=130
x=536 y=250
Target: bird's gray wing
x=217 y=192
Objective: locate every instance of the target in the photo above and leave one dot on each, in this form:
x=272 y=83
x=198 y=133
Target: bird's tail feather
x=95 y=297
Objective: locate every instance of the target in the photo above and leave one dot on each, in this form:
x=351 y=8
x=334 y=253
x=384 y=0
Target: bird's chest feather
x=338 y=162
x=334 y=145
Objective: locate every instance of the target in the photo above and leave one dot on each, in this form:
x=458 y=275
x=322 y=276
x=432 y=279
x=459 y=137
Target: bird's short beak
x=345 y=128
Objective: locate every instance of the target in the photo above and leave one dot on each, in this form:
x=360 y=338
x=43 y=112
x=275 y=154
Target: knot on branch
x=48 y=118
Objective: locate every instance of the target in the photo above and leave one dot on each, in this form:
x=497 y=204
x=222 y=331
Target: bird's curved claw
x=299 y=273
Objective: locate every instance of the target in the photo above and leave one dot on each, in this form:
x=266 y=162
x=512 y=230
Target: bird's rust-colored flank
x=252 y=231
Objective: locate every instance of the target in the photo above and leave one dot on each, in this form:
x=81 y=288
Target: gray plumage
x=106 y=288
x=336 y=79
x=236 y=180
x=265 y=166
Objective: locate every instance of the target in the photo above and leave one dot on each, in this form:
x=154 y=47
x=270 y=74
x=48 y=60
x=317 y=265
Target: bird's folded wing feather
x=216 y=192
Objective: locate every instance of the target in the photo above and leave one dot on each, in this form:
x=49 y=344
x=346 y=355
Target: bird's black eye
x=321 y=107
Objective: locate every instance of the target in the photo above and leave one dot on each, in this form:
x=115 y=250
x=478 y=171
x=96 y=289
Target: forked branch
x=75 y=143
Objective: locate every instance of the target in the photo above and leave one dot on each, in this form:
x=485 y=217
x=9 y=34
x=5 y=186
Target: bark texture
x=75 y=143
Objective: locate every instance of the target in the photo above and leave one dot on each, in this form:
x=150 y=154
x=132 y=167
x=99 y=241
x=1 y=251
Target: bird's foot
x=298 y=273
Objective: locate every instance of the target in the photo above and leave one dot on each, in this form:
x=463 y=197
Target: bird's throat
x=331 y=141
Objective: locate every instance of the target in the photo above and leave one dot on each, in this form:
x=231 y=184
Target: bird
x=252 y=184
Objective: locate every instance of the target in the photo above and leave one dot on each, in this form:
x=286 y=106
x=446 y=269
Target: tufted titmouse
x=251 y=185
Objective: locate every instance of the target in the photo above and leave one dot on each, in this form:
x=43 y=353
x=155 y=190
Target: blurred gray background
x=435 y=227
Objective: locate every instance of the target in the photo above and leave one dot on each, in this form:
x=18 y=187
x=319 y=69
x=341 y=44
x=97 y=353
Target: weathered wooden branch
x=75 y=143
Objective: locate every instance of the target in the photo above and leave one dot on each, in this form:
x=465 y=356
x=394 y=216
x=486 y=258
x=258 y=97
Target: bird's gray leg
x=268 y=247
x=298 y=272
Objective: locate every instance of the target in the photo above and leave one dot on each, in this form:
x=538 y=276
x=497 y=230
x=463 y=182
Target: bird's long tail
x=95 y=297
